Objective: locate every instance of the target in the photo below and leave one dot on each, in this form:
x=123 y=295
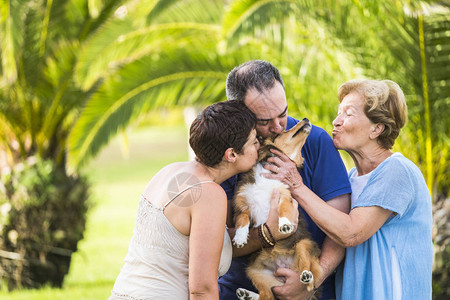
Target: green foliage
x=116 y=185
x=39 y=102
x=153 y=57
x=43 y=218
x=412 y=41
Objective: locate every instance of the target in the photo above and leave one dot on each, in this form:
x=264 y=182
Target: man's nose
x=276 y=126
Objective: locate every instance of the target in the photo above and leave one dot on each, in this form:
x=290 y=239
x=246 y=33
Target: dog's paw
x=306 y=277
x=244 y=294
x=240 y=237
x=285 y=226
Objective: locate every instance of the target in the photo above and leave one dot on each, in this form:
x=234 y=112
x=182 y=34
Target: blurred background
x=97 y=95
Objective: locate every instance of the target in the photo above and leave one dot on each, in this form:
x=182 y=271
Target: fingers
x=270 y=175
x=272 y=168
x=282 y=162
x=275 y=199
x=296 y=213
x=272 y=219
x=276 y=160
x=280 y=154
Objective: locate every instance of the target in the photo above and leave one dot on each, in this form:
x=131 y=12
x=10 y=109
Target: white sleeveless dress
x=156 y=265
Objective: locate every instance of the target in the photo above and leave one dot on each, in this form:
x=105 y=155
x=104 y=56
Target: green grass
x=116 y=185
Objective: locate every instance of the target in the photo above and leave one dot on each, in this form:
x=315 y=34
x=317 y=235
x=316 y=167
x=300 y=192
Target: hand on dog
x=283 y=169
x=273 y=218
x=292 y=288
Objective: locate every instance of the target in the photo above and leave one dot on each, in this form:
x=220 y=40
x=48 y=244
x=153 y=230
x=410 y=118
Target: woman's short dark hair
x=218 y=127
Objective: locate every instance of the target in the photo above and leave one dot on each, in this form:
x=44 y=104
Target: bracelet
x=270 y=233
x=265 y=242
x=266 y=239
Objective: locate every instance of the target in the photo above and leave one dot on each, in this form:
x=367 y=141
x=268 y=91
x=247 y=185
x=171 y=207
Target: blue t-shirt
x=324 y=173
x=401 y=251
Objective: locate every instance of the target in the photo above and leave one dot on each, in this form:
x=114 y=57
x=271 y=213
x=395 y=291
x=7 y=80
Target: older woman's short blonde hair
x=384 y=104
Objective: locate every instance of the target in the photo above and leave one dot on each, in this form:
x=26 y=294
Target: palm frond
x=248 y=17
x=8 y=43
x=187 y=11
x=175 y=78
x=32 y=49
x=107 y=11
x=311 y=59
x=437 y=97
x=415 y=54
x=126 y=38
x=120 y=43
x=437 y=39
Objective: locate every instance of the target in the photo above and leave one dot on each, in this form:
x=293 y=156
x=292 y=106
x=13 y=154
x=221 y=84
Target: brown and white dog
x=251 y=208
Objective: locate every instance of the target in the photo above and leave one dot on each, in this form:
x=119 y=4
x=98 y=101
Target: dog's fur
x=251 y=205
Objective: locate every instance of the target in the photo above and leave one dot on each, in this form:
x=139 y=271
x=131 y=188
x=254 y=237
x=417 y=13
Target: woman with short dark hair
x=180 y=244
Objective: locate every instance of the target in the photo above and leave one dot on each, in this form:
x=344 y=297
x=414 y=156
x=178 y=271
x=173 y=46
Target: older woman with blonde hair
x=388 y=230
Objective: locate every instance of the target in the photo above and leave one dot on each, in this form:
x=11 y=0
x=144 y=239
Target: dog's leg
x=262 y=277
x=286 y=211
x=263 y=280
x=243 y=294
x=307 y=262
x=242 y=221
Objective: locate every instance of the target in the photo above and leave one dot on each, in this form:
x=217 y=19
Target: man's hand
x=272 y=219
x=292 y=289
x=253 y=242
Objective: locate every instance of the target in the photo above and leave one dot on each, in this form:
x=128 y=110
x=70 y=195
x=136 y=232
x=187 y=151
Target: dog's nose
x=307 y=125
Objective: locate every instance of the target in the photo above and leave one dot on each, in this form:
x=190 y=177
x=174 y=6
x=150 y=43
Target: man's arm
x=331 y=255
x=253 y=242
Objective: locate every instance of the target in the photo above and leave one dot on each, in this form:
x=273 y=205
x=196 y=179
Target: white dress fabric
x=156 y=265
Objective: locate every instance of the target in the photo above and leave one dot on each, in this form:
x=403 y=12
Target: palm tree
x=140 y=71
x=39 y=102
x=317 y=44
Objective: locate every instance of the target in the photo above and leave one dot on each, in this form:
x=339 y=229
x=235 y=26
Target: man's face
x=270 y=108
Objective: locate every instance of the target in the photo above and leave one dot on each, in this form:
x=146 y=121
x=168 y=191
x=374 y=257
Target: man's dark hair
x=218 y=127
x=257 y=74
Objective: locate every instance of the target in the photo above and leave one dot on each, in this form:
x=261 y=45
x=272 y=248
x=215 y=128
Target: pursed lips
x=335 y=131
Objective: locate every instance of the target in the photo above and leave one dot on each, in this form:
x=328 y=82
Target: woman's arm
x=208 y=217
x=348 y=230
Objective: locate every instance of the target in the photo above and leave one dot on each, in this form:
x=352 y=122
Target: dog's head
x=290 y=142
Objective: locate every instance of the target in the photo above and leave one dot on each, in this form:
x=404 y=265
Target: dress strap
x=183 y=190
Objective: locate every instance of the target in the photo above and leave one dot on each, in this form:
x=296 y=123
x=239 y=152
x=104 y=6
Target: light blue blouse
x=396 y=262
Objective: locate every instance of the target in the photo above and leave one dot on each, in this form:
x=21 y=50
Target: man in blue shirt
x=259 y=84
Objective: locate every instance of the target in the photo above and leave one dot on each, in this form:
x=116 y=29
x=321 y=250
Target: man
x=259 y=84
